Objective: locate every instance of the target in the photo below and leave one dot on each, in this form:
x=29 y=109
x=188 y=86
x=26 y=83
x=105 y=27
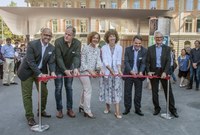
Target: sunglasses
x=47 y=35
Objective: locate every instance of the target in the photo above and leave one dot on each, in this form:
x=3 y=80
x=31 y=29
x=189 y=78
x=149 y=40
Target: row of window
x=188 y=25
x=114 y=4
x=102 y=25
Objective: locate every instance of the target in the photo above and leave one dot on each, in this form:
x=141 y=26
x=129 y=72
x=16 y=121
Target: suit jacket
x=165 y=59
x=31 y=61
x=129 y=60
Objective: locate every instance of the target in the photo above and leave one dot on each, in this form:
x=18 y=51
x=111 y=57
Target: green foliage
x=12 y=4
x=7 y=33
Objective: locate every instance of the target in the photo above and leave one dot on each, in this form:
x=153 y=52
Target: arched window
x=188 y=25
x=198 y=24
x=187 y=44
x=68 y=3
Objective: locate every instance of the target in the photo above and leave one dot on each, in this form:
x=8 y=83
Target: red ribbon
x=44 y=79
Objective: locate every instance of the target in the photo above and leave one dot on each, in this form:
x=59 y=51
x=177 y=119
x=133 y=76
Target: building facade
x=185 y=21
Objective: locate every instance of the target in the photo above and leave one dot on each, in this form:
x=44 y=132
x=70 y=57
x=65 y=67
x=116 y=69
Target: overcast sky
x=20 y=3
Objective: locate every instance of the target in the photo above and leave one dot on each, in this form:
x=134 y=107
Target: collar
x=135 y=49
x=158 y=46
x=43 y=44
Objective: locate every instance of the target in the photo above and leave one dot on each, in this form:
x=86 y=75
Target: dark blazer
x=165 y=59
x=31 y=61
x=129 y=60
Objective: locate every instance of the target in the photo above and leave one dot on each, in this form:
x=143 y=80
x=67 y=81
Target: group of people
x=10 y=59
x=189 y=67
x=68 y=59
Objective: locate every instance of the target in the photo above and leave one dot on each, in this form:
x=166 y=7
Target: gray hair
x=157 y=33
x=72 y=28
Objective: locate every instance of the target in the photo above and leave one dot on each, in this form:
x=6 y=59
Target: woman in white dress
x=111 y=86
x=90 y=65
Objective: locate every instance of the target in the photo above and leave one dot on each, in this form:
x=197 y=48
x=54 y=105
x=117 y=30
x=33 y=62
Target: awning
x=17 y=18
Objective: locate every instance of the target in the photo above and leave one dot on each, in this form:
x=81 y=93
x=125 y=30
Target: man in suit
x=135 y=60
x=67 y=50
x=158 y=63
x=38 y=60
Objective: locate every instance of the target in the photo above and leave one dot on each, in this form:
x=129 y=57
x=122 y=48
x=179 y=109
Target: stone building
x=184 y=28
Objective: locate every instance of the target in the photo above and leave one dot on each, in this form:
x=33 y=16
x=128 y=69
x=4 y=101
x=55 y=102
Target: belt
x=9 y=57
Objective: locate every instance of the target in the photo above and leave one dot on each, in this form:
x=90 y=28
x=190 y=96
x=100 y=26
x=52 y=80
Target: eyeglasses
x=47 y=35
x=159 y=37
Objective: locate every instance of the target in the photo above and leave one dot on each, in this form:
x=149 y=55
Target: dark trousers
x=128 y=93
x=194 y=73
x=17 y=64
x=1 y=71
x=155 y=85
x=58 y=92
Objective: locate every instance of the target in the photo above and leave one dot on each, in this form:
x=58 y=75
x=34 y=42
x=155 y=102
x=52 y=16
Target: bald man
x=40 y=53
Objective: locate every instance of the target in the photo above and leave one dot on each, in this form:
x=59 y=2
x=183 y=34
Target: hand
x=120 y=73
x=53 y=75
x=76 y=72
x=164 y=75
x=112 y=72
x=194 y=65
x=150 y=74
x=68 y=72
x=101 y=72
x=43 y=76
x=140 y=73
x=92 y=73
x=133 y=73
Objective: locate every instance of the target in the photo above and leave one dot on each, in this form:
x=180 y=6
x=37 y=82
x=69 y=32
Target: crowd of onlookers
x=188 y=65
x=11 y=56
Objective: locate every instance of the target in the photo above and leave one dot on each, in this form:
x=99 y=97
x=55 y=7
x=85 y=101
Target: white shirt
x=43 y=50
x=111 y=60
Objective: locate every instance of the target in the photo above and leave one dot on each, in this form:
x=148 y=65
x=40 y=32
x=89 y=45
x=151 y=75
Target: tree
x=12 y=4
x=5 y=32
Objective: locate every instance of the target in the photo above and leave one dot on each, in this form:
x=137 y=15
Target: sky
x=20 y=3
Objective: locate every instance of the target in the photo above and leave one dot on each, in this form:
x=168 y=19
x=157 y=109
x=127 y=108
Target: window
x=189 y=5
x=102 y=26
x=113 y=4
x=153 y=4
x=54 y=4
x=187 y=44
x=102 y=4
x=55 y=25
x=68 y=23
x=68 y=4
x=136 y=4
x=198 y=7
x=188 y=25
x=83 y=4
x=198 y=25
x=170 y=4
x=83 y=26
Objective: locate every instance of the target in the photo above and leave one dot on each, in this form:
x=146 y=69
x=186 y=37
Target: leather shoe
x=14 y=83
x=59 y=114
x=175 y=114
x=44 y=114
x=156 y=112
x=31 y=122
x=139 y=112
x=6 y=84
x=189 y=88
x=126 y=112
x=70 y=113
